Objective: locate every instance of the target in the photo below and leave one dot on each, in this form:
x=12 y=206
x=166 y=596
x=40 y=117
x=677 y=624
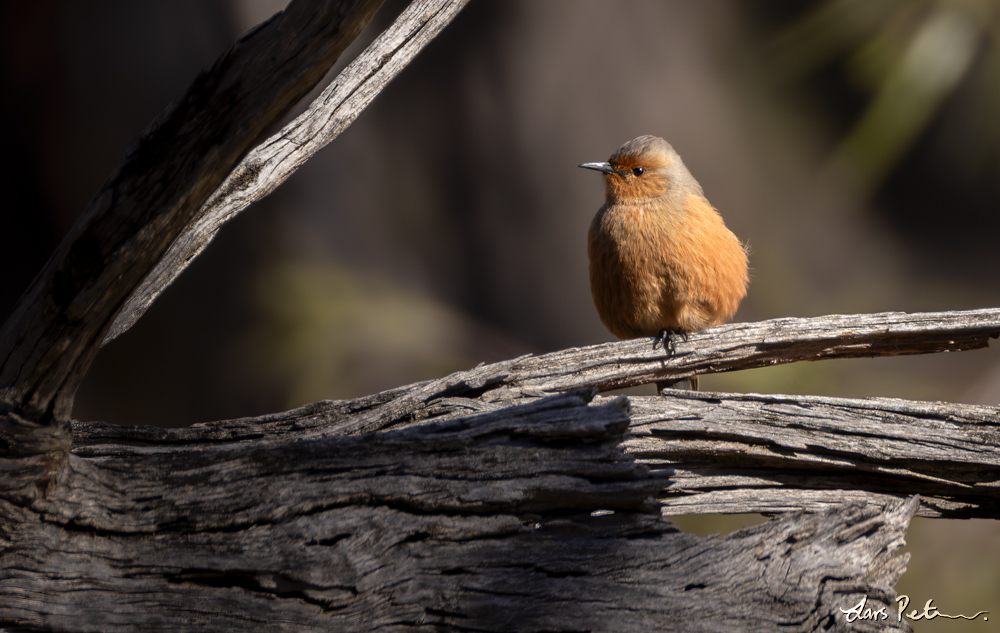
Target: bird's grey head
x=645 y=167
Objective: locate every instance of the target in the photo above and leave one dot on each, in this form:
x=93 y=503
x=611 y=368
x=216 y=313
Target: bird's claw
x=666 y=339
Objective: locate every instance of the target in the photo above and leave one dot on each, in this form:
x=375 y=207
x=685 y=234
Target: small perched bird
x=662 y=261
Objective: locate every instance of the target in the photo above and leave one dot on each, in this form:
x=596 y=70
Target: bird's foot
x=667 y=339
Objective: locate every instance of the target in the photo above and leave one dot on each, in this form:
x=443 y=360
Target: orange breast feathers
x=654 y=266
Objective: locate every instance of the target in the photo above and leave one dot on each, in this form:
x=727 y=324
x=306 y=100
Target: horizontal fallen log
x=722 y=453
x=530 y=519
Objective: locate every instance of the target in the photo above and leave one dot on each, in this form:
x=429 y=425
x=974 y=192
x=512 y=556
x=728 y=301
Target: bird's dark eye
x=638 y=171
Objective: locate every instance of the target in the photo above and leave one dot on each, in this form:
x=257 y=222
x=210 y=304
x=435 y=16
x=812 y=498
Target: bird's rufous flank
x=661 y=259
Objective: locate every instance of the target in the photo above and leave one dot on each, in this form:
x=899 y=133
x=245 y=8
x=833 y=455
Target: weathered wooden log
x=531 y=518
x=723 y=453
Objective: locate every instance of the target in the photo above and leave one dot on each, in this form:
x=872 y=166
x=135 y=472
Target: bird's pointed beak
x=601 y=167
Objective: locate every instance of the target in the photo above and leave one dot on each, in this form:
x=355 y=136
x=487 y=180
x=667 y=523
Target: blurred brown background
x=854 y=143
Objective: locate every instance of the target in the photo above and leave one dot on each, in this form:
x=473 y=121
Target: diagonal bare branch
x=168 y=174
x=277 y=158
x=48 y=342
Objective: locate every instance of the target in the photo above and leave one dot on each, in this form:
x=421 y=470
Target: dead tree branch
x=48 y=343
x=277 y=158
x=745 y=346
